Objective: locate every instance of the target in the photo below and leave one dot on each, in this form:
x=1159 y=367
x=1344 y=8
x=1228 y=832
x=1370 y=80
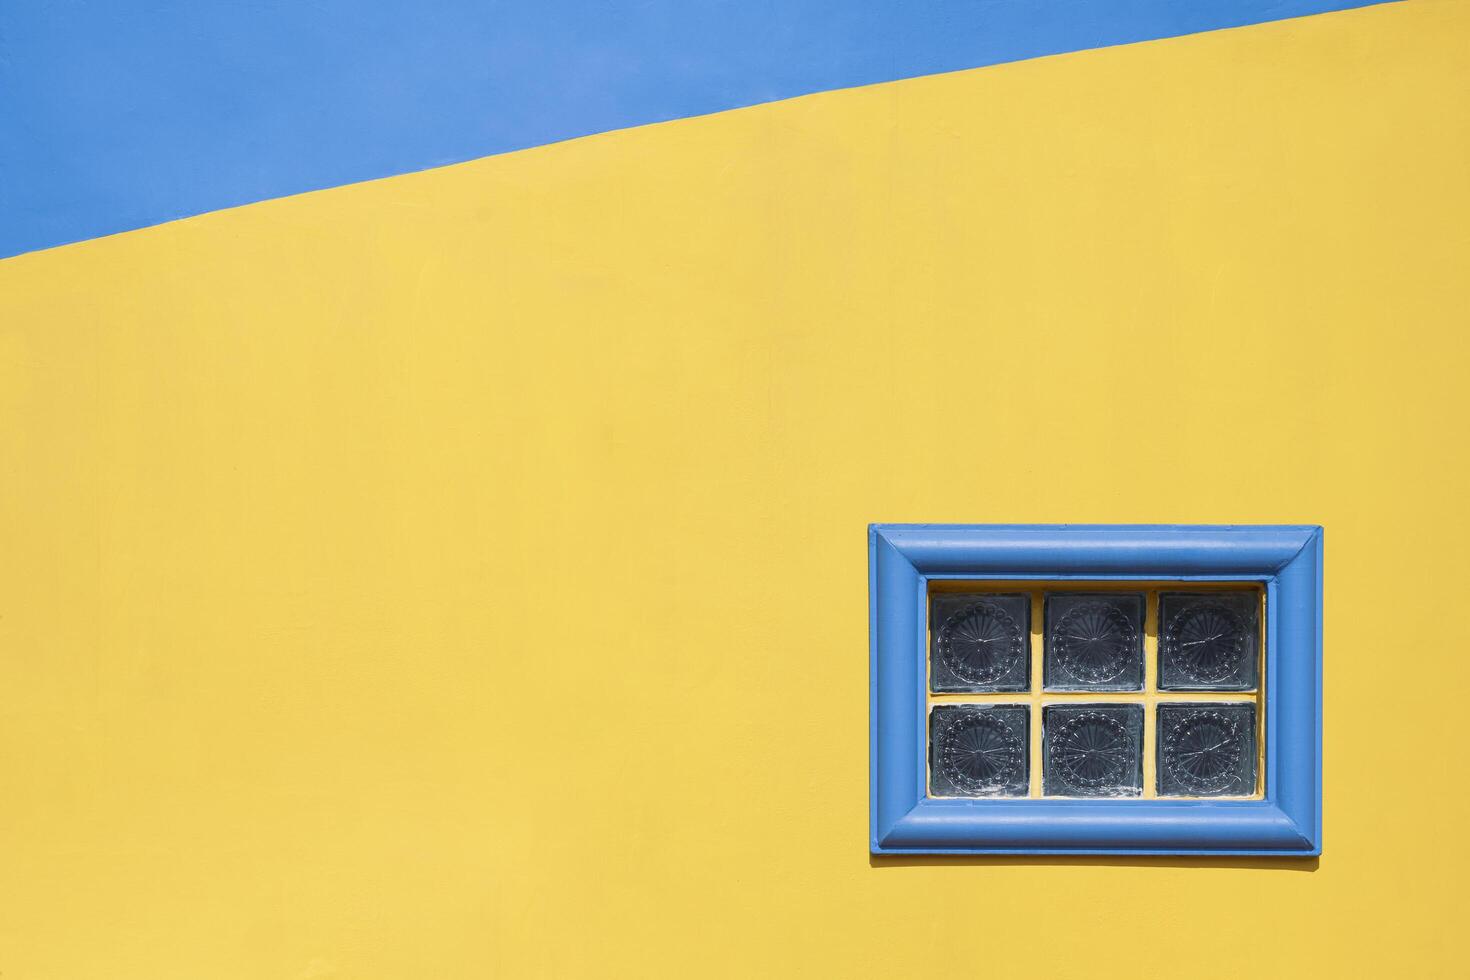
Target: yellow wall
x=464 y=574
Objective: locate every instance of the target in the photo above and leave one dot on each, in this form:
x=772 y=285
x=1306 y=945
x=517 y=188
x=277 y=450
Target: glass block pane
x=1094 y=641
x=1207 y=749
x=979 y=750
x=1092 y=749
x=979 y=642
x=1208 y=641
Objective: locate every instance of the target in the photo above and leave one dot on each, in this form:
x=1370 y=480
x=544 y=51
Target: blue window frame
x=1284 y=560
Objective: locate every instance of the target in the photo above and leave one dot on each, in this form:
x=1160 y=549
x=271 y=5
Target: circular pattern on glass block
x=1206 y=643
x=1094 y=642
x=980 y=753
x=1092 y=750
x=1201 y=752
x=981 y=643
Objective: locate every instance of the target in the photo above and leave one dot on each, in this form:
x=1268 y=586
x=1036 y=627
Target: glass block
x=1092 y=749
x=1208 y=641
x=1207 y=749
x=979 y=749
x=979 y=642
x=1094 y=641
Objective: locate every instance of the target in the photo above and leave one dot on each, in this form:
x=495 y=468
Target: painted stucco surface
x=464 y=574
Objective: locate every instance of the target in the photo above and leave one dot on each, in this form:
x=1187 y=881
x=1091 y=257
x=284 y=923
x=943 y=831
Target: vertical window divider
x=1038 y=664
x=1150 y=694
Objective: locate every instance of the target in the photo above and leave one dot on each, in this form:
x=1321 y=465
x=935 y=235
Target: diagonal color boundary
x=118 y=116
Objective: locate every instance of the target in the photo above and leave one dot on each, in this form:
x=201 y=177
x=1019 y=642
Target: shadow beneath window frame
x=1298 y=864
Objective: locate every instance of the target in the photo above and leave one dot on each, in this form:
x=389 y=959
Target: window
x=1095 y=689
